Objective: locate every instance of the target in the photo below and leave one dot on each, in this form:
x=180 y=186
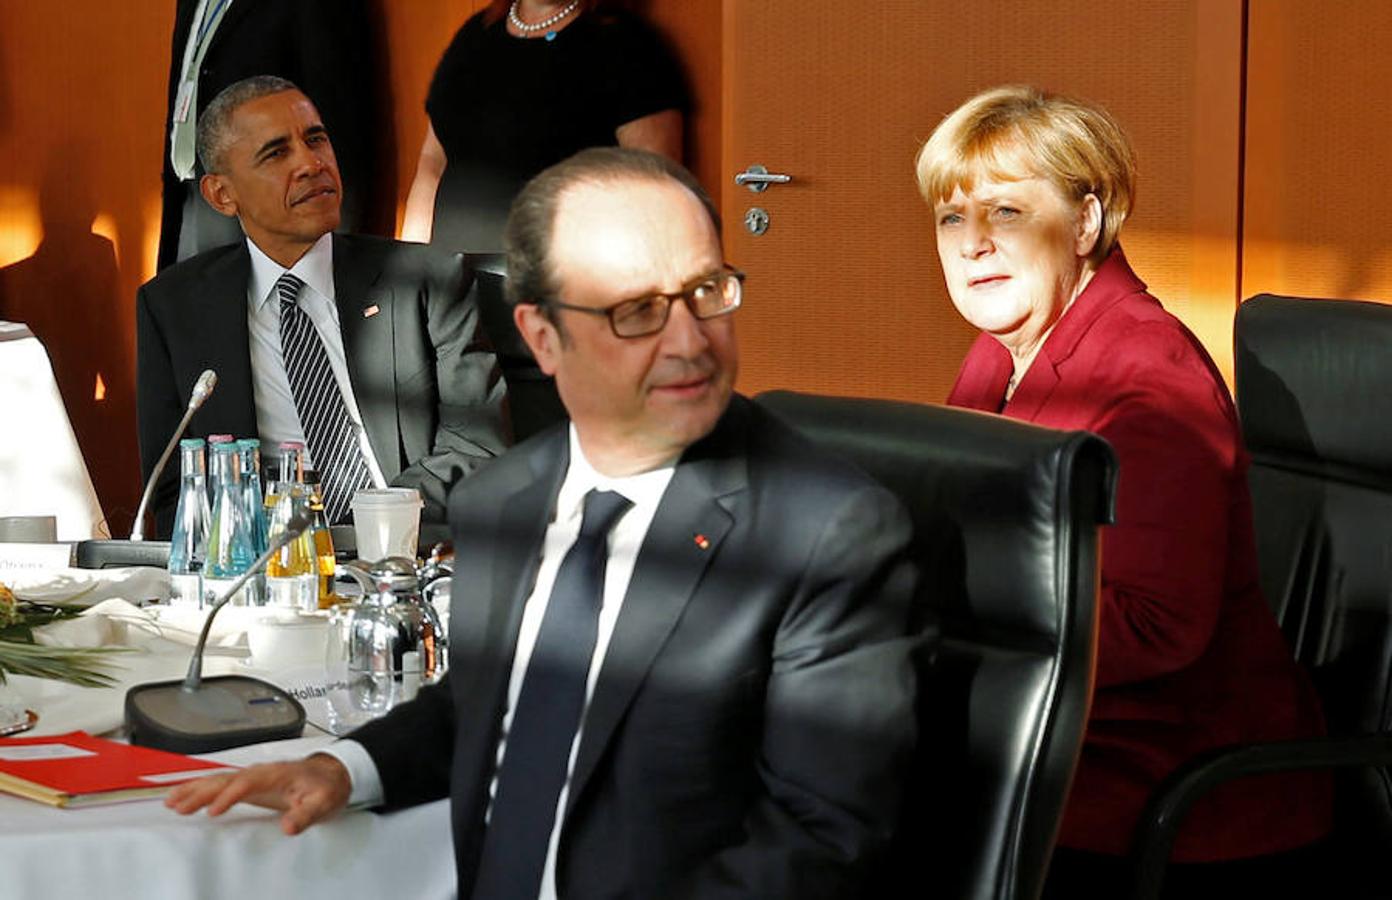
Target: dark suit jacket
x=327 y=48
x=1189 y=656
x=751 y=723
x=425 y=379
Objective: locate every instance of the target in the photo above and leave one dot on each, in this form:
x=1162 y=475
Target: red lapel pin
x=702 y=541
x=371 y=311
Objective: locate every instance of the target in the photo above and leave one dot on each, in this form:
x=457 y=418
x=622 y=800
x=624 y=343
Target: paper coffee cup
x=284 y=640
x=386 y=522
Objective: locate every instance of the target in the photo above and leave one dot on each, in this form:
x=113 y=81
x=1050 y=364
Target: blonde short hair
x=1016 y=132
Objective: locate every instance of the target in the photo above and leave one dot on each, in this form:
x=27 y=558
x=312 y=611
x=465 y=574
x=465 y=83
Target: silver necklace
x=544 y=23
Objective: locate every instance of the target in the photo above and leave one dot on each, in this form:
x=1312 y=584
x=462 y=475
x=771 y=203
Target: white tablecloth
x=142 y=851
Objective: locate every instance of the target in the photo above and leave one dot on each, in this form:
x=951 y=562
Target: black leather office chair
x=532 y=399
x=1006 y=517
x=1314 y=379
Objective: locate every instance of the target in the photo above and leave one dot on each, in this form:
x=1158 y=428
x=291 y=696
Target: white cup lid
x=369 y=497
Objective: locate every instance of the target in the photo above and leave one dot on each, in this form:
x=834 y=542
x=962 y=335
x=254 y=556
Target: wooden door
x=844 y=293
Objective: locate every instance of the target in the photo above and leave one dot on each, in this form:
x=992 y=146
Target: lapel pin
x=371 y=311
x=702 y=541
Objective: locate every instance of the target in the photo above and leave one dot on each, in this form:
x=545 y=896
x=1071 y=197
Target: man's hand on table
x=308 y=791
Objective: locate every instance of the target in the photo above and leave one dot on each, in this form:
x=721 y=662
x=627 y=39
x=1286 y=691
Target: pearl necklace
x=544 y=23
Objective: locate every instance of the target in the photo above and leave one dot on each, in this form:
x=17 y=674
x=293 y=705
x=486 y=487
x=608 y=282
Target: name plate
x=30 y=558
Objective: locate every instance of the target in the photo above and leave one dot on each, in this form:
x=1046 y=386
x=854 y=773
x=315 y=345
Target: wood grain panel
x=1319 y=146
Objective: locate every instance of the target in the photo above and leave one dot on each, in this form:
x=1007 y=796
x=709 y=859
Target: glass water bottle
x=230 y=548
x=249 y=450
x=189 y=543
x=291 y=574
x=213 y=441
x=323 y=546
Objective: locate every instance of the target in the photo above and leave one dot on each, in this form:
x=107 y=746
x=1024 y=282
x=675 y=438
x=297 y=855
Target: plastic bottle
x=188 y=545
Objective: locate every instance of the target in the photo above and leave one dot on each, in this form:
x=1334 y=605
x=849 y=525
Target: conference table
x=143 y=850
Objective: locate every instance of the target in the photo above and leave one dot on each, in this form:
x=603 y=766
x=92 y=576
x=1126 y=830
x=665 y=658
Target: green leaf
x=82 y=666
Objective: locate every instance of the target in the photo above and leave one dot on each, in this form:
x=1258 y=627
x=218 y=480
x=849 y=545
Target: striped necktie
x=329 y=431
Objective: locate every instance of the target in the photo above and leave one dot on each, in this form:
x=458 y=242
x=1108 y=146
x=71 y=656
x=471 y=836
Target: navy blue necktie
x=537 y=753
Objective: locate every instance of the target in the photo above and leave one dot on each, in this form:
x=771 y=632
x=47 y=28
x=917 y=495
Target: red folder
x=80 y=770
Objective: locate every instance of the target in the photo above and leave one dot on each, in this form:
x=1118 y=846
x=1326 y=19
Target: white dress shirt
x=645 y=491
x=277 y=419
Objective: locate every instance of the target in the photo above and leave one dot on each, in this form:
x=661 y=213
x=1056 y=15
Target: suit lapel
x=521 y=527
x=237 y=10
x=221 y=309
x=692 y=521
x=1112 y=282
x=487 y=614
x=1034 y=390
x=367 y=322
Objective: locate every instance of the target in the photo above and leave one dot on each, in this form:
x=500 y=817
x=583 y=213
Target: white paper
x=32 y=752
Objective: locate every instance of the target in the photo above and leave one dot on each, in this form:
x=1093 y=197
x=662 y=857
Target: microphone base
x=222 y=712
x=105 y=554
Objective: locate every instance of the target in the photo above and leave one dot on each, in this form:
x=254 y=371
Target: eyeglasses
x=716 y=294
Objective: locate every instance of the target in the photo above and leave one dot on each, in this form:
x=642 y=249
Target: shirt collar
x=644 y=489
x=315 y=269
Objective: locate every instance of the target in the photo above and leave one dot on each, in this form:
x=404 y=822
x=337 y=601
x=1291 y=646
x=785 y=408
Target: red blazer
x=1189 y=655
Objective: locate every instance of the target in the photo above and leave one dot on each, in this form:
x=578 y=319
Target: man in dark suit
x=401 y=351
x=738 y=714
x=324 y=46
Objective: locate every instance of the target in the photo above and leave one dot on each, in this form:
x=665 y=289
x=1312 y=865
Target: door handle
x=757 y=178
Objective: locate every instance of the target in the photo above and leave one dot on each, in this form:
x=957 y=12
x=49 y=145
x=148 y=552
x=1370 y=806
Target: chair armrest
x=1172 y=800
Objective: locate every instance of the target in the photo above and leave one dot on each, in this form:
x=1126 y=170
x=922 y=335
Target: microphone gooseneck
x=293 y=529
x=201 y=389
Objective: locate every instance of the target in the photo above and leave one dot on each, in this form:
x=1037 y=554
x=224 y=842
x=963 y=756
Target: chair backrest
x=1314 y=392
x=532 y=399
x=1006 y=517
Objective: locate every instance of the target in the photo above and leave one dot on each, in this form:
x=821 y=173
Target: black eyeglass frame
x=725 y=271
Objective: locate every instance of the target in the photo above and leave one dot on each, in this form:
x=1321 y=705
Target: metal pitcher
x=383 y=648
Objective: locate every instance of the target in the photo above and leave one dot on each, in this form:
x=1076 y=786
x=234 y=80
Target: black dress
x=504 y=108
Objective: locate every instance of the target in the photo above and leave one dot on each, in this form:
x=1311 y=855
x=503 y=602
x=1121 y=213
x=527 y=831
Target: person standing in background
x=523 y=85
x=324 y=46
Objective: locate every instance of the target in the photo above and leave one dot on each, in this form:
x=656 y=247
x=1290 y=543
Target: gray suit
x=750 y=727
x=426 y=382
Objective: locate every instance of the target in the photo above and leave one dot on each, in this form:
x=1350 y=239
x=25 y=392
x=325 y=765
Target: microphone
x=201 y=389
x=198 y=715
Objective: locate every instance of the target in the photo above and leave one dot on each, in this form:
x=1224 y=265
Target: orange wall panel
x=1319 y=146
x=81 y=109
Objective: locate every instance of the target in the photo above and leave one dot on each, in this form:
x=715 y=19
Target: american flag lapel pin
x=701 y=541
x=371 y=311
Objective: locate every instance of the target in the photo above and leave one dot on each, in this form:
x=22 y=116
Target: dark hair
x=527 y=235
x=214 y=123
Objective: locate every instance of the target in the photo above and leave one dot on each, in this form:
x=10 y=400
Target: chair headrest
x=989 y=497
x=1313 y=384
